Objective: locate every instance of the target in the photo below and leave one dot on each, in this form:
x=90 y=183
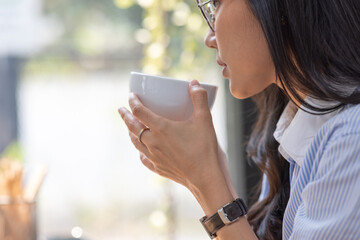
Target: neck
x=291 y=96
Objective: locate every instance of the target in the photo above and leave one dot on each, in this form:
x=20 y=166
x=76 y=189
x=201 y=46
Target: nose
x=210 y=39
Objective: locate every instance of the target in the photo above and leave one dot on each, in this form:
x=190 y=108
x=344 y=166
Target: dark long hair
x=315 y=47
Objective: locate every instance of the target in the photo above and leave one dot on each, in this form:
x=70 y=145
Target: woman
x=300 y=61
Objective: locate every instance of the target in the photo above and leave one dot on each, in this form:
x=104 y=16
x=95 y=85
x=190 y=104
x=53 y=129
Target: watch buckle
x=224 y=216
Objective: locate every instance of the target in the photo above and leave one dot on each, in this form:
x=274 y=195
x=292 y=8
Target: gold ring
x=141 y=133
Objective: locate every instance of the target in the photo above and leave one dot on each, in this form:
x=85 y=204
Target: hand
x=223 y=165
x=187 y=151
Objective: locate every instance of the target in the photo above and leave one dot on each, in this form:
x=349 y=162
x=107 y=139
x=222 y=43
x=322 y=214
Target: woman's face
x=241 y=48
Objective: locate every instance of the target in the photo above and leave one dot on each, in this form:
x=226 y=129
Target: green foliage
x=13 y=152
x=177 y=33
x=165 y=35
x=92 y=28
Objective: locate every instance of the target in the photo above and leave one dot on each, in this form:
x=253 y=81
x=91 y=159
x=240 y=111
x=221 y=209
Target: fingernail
x=121 y=110
x=132 y=95
x=194 y=83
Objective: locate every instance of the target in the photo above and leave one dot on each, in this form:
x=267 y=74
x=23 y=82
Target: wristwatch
x=226 y=215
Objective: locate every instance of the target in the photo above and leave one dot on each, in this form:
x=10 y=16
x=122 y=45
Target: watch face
x=232 y=212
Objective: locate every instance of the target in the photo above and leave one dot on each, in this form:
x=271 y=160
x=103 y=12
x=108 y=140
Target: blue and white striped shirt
x=324 y=156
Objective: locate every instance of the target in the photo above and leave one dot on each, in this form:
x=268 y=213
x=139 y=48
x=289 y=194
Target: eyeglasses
x=207 y=8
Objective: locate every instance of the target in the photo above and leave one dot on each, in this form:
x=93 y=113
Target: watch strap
x=230 y=213
x=212 y=224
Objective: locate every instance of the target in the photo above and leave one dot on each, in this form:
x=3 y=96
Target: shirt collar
x=296 y=128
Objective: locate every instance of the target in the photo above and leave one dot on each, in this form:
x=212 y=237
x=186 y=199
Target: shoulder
x=337 y=143
x=338 y=139
x=346 y=122
x=328 y=182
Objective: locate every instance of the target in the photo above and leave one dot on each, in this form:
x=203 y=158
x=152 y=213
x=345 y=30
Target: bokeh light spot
x=76 y=232
x=150 y=22
x=158 y=219
x=194 y=22
x=168 y=5
x=143 y=36
x=181 y=14
x=145 y=3
x=155 y=50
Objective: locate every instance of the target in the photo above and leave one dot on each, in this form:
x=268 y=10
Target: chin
x=238 y=91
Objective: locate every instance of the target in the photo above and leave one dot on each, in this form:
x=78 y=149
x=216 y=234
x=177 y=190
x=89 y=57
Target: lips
x=221 y=63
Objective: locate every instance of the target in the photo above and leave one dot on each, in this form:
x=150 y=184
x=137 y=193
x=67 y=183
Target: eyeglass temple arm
x=202 y=4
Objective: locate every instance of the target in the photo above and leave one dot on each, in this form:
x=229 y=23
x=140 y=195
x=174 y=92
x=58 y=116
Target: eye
x=215 y=3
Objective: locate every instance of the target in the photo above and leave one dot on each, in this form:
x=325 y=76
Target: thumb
x=198 y=97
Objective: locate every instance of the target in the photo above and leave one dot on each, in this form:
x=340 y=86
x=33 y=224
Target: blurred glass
x=69 y=90
x=17 y=219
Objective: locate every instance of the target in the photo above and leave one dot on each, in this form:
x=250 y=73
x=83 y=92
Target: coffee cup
x=167 y=97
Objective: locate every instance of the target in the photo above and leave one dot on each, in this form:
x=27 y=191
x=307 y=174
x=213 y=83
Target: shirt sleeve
x=330 y=207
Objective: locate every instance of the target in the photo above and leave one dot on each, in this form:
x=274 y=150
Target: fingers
x=131 y=122
x=139 y=145
x=146 y=116
x=135 y=127
x=147 y=162
x=199 y=98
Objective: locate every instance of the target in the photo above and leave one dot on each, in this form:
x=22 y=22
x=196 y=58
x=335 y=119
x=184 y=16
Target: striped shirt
x=324 y=156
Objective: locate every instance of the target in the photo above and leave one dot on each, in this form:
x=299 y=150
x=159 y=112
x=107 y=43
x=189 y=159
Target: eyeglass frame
x=208 y=21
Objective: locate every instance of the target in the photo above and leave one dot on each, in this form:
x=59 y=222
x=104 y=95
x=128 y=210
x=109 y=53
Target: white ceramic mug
x=167 y=97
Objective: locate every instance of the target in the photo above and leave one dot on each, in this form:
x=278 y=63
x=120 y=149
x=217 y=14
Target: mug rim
x=170 y=78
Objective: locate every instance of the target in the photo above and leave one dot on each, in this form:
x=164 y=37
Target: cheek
x=251 y=52
x=250 y=72
x=245 y=51
x=241 y=42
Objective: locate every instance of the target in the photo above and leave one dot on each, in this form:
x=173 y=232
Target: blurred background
x=64 y=71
